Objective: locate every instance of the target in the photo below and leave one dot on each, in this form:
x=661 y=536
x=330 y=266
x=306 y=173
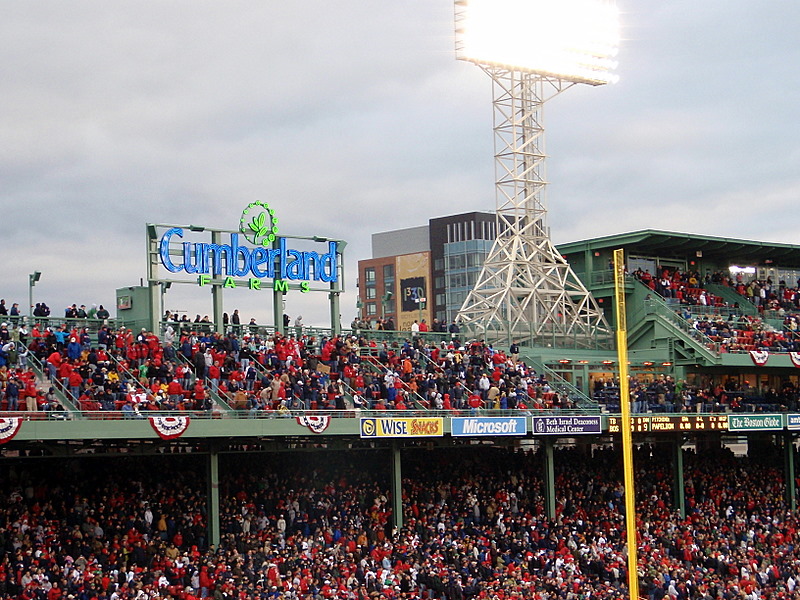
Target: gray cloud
x=353 y=118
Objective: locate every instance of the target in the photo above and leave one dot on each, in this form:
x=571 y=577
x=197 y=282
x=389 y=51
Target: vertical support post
x=678 y=493
x=30 y=299
x=216 y=293
x=588 y=265
x=154 y=286
x=213 y=497
x=277 y=294
x=549 y=478
x=277 y=311
x=788 y=461
x=336 y=321
x=397 y=486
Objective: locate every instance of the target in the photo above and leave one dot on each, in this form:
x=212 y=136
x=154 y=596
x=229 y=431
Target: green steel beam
x=788 y=455
x=678 y=490
x=213 y=498
x=397 y=486
x=549 y=478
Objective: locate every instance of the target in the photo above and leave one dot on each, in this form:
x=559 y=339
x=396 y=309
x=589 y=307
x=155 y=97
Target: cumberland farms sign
x=255 y=253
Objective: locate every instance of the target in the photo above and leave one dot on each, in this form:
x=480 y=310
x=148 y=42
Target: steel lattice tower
x=526 y=291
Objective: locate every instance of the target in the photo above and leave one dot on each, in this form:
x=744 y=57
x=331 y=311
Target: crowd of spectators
x=737 y=332
x=319 y=526
x=747 y=333
x=686 y=287
x=665 y=394
x=188 y=369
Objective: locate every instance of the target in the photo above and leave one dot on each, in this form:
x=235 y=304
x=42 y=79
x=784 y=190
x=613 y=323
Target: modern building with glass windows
x=424 y=272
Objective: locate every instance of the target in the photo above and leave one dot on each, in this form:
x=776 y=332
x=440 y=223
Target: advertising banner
x=402 y=427
x=469 y=426
x=566 y=425
x=414 y=303
x=755 y=422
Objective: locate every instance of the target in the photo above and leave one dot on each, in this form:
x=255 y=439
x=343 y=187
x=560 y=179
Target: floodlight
x=571 y=40
x=532 y=50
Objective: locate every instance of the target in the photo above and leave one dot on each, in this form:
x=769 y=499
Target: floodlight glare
x=572 y=40
x=532 y=50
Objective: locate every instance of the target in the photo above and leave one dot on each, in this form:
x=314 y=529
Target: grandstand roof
x=669 y=242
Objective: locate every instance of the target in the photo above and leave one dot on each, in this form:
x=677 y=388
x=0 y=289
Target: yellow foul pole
x=625 y=425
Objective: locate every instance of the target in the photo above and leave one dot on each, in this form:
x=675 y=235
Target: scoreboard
x=667 y=423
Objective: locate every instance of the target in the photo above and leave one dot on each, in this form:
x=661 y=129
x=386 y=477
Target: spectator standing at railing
x=102 y=313
x=12 y=393
x=54 y=361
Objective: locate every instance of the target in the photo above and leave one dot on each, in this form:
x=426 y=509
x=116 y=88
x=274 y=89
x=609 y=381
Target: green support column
x=588 y=266
x=154 y=292
x=277 y=311
x=678 y=490
x=213 y=498
x=788 y=456
x=397 y=486
x=336 y=321
x=277 y=296
x=549 y=478
x=216 y=292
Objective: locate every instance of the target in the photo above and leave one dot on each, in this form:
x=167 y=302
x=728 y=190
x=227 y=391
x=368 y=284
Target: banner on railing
x=760 y=357
x=9 y=427
x=316 y=423
x=169 y=428
x=795 y=358
x=402 y=427
x=474 y=426
x=574 y=425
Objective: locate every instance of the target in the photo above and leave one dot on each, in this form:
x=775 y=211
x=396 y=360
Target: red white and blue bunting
x=9 y=427
x=795 y=357
x=760 y=357
x=169 y=428
x=317 y=424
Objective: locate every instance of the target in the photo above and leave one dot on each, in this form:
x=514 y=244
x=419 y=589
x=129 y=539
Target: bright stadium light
x=572 y=40
x=533 y=50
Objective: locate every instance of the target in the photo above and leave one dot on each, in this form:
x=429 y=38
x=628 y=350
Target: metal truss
x=526 y=291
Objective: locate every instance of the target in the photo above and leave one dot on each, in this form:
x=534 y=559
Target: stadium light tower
x=532 y=50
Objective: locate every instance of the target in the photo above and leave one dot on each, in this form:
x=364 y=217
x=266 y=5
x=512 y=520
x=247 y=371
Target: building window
x=371 y=293
x=372 y=308
x=455 y=261
x=369 y=275
x=438 y=264
x=388 y=272
x=438 y=282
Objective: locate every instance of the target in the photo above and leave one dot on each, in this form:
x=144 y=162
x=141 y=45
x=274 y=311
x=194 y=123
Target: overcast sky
x=353 y=117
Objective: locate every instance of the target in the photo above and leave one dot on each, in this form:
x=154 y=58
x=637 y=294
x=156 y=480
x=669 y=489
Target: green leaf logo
x=262 y=228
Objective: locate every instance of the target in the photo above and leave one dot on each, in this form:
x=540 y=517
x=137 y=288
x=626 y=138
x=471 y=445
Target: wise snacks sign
x=402 y=427
x=256 y=253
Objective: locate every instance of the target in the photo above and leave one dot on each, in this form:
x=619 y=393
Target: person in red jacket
x=53 y=364
x=199 y=395
x=175 y=393
x=74 y=381
x=206 y=582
